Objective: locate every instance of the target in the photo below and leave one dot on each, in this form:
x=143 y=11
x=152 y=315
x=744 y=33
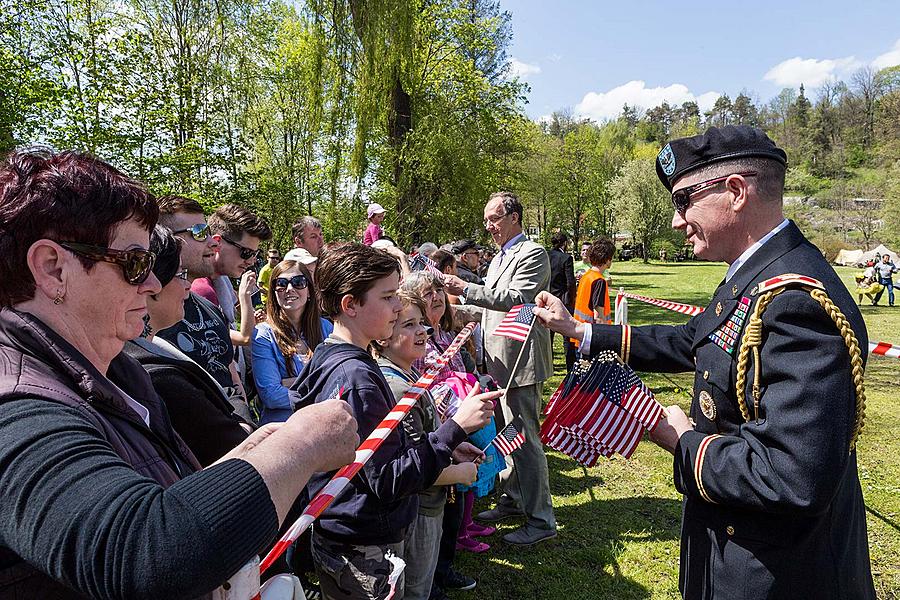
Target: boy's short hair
x=173 y=204
x=601 y=251
x=407 y=298
x=350 y=268
x=233 y=221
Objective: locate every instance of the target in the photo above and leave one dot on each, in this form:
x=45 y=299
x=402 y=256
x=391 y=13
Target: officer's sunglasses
x=136 y=264
x=199 y=232
x=246 y=253
x=681 y=199
x=298 y=282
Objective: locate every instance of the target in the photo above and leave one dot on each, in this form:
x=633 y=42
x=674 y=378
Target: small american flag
x=517 y=322
x=508 y=440
x=600 y=410
x=420 y=262
x=628 y=391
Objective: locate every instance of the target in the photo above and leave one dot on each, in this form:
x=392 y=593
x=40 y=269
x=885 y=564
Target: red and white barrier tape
x=365 y=451
x=879 y=348
x=884 y=349
x=685 y=309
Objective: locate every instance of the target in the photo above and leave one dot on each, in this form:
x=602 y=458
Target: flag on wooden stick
x=509 y=439
x=420 y=262
x=517 y=322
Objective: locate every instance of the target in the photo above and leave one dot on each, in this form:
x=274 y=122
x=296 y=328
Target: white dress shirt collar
x=732 y=269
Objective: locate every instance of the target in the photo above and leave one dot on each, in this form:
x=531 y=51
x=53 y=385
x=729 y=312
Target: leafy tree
x=643 y=204
x=744 y=111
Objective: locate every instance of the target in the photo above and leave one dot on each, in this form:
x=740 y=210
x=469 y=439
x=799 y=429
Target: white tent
x=848 y=257
x=879 y=251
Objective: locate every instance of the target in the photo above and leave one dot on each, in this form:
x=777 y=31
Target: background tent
x=880 y=250
x=848 y=257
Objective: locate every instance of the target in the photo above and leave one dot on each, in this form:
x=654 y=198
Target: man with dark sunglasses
x=203 y=334
x=767 y=460
x=239 y=232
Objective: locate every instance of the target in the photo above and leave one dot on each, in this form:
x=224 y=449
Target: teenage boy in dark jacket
x=358 y=288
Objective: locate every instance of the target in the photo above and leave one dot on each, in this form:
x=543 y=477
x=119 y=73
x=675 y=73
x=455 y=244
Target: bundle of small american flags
x=599 y=409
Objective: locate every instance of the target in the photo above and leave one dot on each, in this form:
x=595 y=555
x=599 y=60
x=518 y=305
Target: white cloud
x=608 y=105
x=811 y=72
x=522 y=70
x=889 y=58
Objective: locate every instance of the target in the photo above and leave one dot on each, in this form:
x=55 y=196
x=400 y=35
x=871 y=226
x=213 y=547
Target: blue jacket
x=269 y=369
x=381 y=501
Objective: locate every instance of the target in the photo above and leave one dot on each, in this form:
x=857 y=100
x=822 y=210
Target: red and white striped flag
x=598 y=411
x=508 y=440
x=517 y=322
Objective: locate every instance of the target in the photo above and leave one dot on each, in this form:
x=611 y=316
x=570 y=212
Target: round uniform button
x=729 y=530
x=705 y=375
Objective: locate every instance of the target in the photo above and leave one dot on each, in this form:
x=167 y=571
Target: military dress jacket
x=772 y=504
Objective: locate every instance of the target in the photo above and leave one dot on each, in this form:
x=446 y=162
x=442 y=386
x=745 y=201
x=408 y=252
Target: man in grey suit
x=517 y=273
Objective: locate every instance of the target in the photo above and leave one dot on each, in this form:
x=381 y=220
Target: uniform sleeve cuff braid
x=690 y=458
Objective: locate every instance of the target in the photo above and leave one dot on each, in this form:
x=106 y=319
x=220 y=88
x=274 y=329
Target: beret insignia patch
x=666 y=159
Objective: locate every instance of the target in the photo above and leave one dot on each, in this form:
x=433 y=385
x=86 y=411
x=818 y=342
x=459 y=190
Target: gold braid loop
x=752 y=340
x=856 y=362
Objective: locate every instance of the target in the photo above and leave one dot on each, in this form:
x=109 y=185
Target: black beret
x=680 y=157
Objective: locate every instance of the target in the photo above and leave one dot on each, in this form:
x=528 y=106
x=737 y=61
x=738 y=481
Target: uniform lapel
x=729 y=293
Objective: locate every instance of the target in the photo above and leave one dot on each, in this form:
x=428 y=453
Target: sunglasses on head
x=245 y=252
x=298 y=282
x=199 y=232
x=136 y=264
x=681 y=199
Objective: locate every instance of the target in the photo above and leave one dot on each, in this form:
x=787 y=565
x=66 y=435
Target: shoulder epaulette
x=788 y=279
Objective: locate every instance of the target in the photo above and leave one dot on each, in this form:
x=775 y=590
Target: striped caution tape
x=365 y=451
x=685 y=309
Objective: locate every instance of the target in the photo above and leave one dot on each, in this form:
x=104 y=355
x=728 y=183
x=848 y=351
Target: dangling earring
x=59 y=298
x=147 y=329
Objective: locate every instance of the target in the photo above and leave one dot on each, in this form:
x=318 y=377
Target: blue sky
x=595 y=56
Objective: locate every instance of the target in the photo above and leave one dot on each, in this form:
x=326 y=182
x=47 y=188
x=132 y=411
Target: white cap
x=382 y=244
x=301 y=255
x=374 y=209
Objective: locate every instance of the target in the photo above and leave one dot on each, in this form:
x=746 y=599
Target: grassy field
x=619 y=522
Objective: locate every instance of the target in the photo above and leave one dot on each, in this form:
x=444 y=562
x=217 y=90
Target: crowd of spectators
x=188 y=388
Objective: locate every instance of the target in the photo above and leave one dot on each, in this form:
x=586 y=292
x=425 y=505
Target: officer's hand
x=552 y=313
x=670 y=428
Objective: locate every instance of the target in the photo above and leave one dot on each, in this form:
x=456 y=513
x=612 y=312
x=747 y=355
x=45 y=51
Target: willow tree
x=430 y=97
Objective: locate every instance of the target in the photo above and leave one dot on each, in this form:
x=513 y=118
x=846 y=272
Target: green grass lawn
x=619 y=521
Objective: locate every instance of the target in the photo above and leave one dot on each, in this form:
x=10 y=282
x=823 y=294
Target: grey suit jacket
x=524 y=272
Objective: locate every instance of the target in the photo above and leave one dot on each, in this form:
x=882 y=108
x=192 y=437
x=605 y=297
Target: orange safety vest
x=584 y=312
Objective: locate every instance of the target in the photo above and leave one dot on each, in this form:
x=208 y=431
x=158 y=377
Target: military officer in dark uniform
x=767 y=463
